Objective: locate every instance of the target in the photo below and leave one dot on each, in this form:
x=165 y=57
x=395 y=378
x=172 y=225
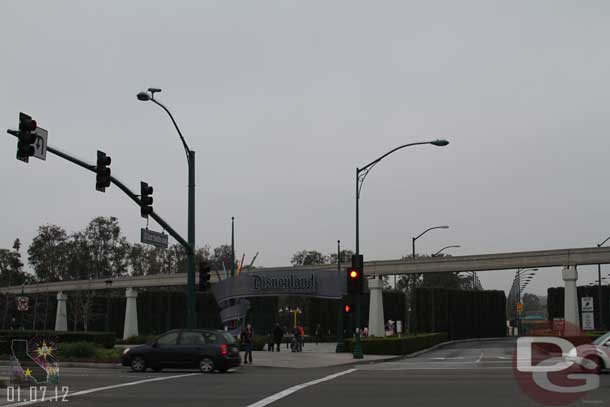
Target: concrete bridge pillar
x=61 y=316
x=131 y=314
x=376 y=319
x=570 y=275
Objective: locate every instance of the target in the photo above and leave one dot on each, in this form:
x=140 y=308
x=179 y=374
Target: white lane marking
x=290 y=390
x=439 y=368
x=94 y=390
x=456 y=358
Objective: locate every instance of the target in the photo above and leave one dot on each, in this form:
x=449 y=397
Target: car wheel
x=206 y=365
x=138 y=364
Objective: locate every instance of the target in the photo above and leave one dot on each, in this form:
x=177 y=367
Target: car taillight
x=224 y=351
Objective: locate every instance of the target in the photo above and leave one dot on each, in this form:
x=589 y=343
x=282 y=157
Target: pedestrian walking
x=318 y=333
x=247 y=340
x=278 y=334
x=301 y=331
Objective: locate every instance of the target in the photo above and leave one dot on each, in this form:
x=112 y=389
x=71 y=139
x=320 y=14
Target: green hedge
x=105 y=339
x=137 y=340
x=87 y=352
x=397 y=346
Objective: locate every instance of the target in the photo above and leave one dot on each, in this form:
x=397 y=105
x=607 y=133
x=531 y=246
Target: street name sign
x=154 y=238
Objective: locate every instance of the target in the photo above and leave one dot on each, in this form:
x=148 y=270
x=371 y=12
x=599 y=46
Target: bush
x=137 y=340
x=397 y=346
x=76 y=350
x=105 y=339
x=87 y=352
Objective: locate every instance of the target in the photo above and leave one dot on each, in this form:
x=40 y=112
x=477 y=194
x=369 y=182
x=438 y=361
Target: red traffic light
x=353 y=273
x=347 y=308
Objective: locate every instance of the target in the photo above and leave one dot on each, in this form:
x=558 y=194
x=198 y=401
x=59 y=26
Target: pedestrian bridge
x=567 y=258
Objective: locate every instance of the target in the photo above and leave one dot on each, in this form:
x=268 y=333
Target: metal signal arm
x=120 y=185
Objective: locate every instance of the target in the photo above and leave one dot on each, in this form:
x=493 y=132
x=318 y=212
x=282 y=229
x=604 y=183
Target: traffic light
x=347 y=308
x=102 y=179
x=146 y=199
x=355 y=277
x=27 y=137
x=204 y=276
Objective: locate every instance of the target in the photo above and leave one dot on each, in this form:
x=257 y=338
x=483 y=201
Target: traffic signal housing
x=102 y=179
x=204 y=276
x=355 y=276
x=146 y=199
x=26 y=136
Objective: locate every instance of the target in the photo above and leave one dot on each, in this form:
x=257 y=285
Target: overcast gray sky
x=282 y=100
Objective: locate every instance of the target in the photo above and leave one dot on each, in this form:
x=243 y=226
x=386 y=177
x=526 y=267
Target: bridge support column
x=570 y=313
x=376 y=319
x=131 y=314
x=61 y=316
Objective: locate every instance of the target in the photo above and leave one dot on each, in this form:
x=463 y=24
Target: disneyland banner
x=260 y=283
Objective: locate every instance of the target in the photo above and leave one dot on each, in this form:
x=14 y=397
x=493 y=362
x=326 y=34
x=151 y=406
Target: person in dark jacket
x=247 y=339
x=318 y=333
x=278 y=334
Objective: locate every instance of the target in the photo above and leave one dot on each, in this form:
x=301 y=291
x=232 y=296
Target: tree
x=106 y=248
x=308 y=258
x=47 y=253
x=221 y=258
x=346 y=256
x=531 y=303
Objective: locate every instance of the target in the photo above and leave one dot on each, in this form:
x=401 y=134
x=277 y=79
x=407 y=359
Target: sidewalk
x=321 y=355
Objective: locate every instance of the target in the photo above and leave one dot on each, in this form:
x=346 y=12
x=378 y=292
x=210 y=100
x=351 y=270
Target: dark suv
x=207 y=350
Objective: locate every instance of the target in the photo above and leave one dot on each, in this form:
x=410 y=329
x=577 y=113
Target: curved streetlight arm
x=186 y=147
x=432 y=228
x=521 y=271
x=446 y=247
x=365 y=170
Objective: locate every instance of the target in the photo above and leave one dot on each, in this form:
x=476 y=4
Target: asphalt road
x=466 y=374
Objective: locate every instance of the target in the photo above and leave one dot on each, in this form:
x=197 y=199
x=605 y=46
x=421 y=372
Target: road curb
x=364 y=361
x=440 y=345
x=89 y=365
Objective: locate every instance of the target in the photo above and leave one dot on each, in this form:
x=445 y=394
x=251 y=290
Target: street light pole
x=191 y=317
x=413 y=239
x=361 y=174
x=340 y=342
x=599 y=289
x=414 y=307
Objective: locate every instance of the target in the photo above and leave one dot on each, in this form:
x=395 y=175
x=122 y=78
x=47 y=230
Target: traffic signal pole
x=340 y=342
x=191 y=317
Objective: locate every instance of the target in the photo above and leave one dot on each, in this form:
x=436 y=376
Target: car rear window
x=229 y=339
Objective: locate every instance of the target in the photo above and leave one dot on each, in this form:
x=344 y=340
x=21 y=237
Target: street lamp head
x=143 y=96
x=440 y=143
x=154 y=90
